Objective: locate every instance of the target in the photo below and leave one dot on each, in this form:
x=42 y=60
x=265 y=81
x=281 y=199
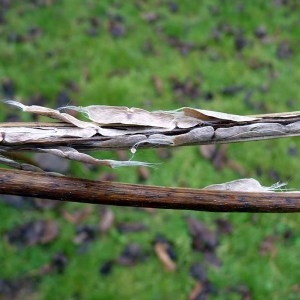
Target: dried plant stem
x=62 y=188
x=47 y=135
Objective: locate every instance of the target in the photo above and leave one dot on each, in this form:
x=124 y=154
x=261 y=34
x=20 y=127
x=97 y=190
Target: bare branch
x=43 y=185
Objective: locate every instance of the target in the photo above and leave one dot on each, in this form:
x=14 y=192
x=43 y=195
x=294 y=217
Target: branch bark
x=63 y=188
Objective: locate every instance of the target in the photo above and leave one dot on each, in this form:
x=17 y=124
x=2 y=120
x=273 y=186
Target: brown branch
x=62 y=188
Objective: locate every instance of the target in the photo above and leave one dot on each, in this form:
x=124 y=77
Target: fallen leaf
x=32 y=233
x=143 y=173
x=108 y=176
x=224 y=226
x=17 y=202
x=201 y=291
x=260 y=32
x=158 y=84
x=84 y=234
x=8 y=88
x=203 y=238
x=161 y=252
x=185 y=89
x=50 y=232
x=116 y=26
x=198 y=272
x=62 y=99
x=173 y=6
x=164 y=250
x=243 y=291
x=240 y=42
x=131 y=255
x=211 y=258
x=106 y=267
x=19 y=288
x=150 y=17
x=196 y=292
x=127 y=227
x=268 y=246
x=46 y=204
x=78 y=216
x=284 y=50
x=107 y=219
x=57 y=264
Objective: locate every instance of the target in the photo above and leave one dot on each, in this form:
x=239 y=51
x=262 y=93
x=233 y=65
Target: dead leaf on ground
x=106 y=267
x=203 y=238
x=268 y=246
x=46 y=204
x=108 y=176
x=158 y=85
x=131 y=255
x=196 y=292
x=161 y=252
x=202 y=290
x=57 y=264
x=50 y=231
x=107 y=219
x=164 y=250
x=8 y=88
x=16 y=289
x=242 y=290
x=224 y=226
x=185 y=89
x=84 y=234
x=143 y=173
x=211 y=258
x=150 y=17
x=148 y=210
x=17 y=202
x=78 y=216
x=198 y=272
x=127 y=227
x=218 y=155
x=116 y=26
x=32 y=233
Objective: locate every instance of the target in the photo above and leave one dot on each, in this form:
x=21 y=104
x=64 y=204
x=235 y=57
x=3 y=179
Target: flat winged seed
x=241 y=185
x=118 y=142
x=52 y=113
x=207 y=115
x=293 y=127
x=154 y=139
x=108 y=115
x=195 y=136
x=186 y=122
x=128 y=130
x=27 y=134
x=160 y=139
x=72 y=154
x=281 y=115
x=24 y=134
x=268 y=128
x=233 y=132
x=78 y=123
x=250 y=131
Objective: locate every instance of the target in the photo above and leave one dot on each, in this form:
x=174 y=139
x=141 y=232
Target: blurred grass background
x=232 y=56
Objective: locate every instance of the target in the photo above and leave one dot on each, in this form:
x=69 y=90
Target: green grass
x=119 y=71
